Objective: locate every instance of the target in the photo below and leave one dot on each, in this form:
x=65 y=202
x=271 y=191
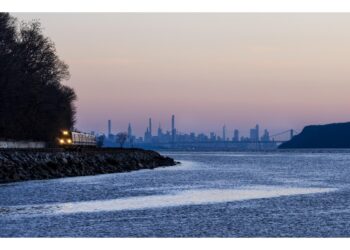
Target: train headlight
x=69 y=141
x=65 y=132
x=61 y=141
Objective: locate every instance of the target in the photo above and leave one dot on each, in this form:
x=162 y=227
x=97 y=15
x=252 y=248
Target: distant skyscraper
x=266 y=136
x=235 y=135
x=160 y=132
x=173 y=131
x=224 y=133
x=150 y=126
x=212 y=136
x=129 y=131
x=254 y=134
x=146 y=137
x=109 y=127
x=130 y=136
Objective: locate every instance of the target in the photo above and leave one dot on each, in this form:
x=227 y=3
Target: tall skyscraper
x=254 y=134
x=129 y=131
x=150 y=126
x=147 y=137
x=224 y=133
x=173 y=131
x=266 y=136
x=109 y=128
x=160 y=132
x=235 y=135
x=212 y=136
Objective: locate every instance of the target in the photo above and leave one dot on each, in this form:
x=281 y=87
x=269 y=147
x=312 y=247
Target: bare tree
x=121 y=138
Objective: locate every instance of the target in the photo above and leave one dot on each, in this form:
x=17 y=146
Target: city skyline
x=279 y=70
x=227 y=134
x=167 y=126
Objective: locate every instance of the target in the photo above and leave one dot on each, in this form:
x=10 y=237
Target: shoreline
x=25 y=165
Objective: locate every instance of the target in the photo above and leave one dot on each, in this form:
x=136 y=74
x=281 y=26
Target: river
x=210 y=194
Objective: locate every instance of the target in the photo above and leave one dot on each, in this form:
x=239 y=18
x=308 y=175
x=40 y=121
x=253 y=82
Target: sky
x=282 y=71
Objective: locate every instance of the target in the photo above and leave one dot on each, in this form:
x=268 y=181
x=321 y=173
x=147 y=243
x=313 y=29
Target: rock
x=35 y=165
x=64 y=160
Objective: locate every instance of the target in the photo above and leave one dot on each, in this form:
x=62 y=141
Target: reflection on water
x=184 y=198
x=192 y=197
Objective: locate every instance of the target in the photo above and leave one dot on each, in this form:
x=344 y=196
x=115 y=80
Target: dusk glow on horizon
x=282 y=71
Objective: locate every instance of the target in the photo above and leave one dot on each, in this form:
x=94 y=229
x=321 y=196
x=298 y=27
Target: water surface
x=213 y=194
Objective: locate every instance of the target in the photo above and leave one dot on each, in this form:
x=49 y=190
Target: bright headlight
x=61 y=141
x=69 y=141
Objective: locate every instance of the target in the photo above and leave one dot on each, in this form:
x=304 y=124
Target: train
x=75 y=139
x=66 y=139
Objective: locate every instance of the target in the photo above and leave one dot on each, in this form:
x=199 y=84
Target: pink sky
x=279 y=70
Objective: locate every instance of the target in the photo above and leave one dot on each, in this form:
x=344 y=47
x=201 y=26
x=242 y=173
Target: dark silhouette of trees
x=121 y=138
x=34 y=103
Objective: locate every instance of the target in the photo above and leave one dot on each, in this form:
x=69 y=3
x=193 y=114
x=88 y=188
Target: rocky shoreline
x=18 y=165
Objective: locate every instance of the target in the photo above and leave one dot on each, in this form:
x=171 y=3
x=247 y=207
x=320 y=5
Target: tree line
x=34 y=105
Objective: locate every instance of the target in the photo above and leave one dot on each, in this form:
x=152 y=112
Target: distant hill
x=336 y=135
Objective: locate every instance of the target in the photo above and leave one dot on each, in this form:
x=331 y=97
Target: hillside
x=336 y=135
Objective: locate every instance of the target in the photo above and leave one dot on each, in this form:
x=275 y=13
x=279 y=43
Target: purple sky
x=279 y=70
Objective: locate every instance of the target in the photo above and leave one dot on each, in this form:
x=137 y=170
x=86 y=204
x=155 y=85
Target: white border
x=175 y=244
x=175 y=6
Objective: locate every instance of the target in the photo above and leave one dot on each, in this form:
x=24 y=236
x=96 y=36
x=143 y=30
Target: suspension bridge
x=283 y=136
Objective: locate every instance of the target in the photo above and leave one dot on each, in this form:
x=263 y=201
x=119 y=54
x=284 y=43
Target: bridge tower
x=291 y=134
